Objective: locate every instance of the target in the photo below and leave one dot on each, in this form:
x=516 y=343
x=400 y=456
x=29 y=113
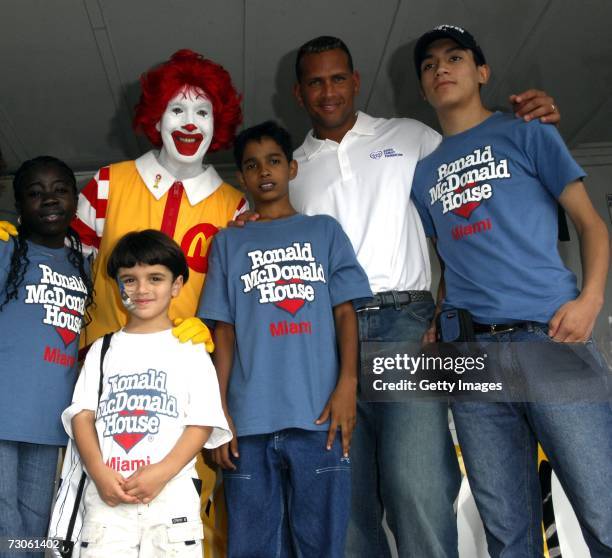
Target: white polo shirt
x=364 y=182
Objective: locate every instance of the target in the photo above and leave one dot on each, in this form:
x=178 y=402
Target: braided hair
x=19 y=259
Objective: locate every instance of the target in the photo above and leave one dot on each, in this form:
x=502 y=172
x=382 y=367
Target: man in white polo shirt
x=359 y=169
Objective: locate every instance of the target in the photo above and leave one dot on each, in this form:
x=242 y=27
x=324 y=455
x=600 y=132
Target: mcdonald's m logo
x=196 y=244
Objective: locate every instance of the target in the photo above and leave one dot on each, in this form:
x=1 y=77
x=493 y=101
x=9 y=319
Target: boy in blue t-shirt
x=280 y=291
x=488 y=197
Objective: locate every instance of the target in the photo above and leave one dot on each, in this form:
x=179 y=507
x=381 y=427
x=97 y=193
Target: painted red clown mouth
x=187 y=144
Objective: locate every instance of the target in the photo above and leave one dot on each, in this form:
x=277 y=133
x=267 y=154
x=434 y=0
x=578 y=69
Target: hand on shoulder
x=533 y=103
x=7 y=229
x=243 y=218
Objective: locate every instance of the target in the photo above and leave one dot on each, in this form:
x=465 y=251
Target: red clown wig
x=186 y=67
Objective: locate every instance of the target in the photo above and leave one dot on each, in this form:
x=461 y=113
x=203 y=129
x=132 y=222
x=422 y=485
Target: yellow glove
x=194 y=330
x=6 y=230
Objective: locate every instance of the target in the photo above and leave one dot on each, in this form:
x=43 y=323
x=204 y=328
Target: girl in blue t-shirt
x=44 y=292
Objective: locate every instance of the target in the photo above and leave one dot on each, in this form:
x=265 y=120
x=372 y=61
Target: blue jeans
x=404 y=461
x=499 y=445
x=288 y=496
x=27 y=472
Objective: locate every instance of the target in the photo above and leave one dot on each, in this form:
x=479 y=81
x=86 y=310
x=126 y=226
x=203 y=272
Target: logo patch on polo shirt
x=385 y=153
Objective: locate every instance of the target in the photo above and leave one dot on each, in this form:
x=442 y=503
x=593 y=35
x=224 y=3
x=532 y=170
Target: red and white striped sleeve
x=241 y=208
x=91 y=211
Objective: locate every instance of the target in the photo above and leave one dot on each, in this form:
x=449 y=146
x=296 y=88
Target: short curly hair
x=187 y=67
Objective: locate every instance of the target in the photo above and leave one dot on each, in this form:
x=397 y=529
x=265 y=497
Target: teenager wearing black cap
x=488 y=196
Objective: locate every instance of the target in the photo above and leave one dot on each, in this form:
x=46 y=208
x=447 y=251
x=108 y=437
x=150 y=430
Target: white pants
x=169 y=526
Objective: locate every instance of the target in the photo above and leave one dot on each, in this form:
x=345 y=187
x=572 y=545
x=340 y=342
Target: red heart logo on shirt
x=291 y=305
x=127 y=440
x=467 y=208
x=67 y=335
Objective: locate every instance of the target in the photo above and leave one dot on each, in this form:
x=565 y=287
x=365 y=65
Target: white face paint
x=186 y=128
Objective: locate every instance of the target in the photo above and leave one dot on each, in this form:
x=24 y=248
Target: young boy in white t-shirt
x=159 y=406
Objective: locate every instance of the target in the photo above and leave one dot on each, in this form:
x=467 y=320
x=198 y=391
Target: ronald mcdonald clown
x=188 y=106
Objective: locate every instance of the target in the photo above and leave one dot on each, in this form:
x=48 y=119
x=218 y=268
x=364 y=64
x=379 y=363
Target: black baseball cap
x=461 y=36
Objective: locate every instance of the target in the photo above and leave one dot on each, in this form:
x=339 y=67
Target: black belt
x=492 y=329
x=396 y=298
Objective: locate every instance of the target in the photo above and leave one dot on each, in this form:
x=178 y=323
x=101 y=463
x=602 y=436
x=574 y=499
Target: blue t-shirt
x=489 y=196
x=277 y=283
x=39 y=345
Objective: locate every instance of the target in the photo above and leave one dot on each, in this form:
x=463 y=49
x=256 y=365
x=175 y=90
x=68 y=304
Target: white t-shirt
x=153 y=388
x=364 y=182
